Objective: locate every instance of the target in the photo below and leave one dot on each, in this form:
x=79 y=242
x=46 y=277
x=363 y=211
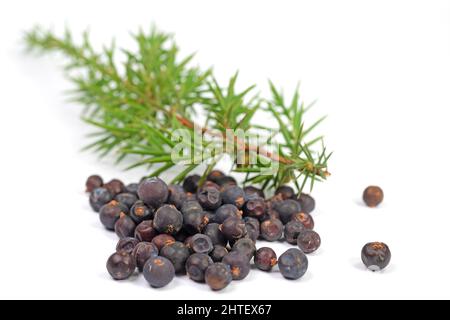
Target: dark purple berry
x=218 y=253
x=188 y=243
x=99 y=197
x=162 y=240
x=307 y=202
x=115 y=186
x=168 y=219
x=209 y=197
x=124 y=227
x=121 y=265
x=127 y=199
x=93 y=182
x=177 y=196
x=265 y=259
x=218 y=276
x=212 y=230
x=158 y=271
x=194 y=218
x=291 y=231
x=190 y=184
x=154 y=192
x=226 y=182
x=245 y=246
x=272 y=229
x=196 y=266
x=132 y=188
x=177 y=253
x=127 y=244
x=201 y=243
x=215 y=176
x=233 y=228
x=293 y=264
x=253 y=192
x=376 y=256
x=373 y=196
x=253 y=228
x=255 y=207
x=181 y=236
x=305 y=218
x=145 y=231
x=308 y=241
x=226 y=211
x=234 y=195
x=239 y=264
x=285 y=192
x=142 y=252
x=140 y=212
x=111 y=212
x=287 y=209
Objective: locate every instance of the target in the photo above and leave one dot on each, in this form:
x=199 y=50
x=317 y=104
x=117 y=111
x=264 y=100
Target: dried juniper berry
x=190 y=184
x=158 y=271
x=196 y=266
x=271 y=230
x=201 y=243
x=168 y=219
x=291 y=231
x=177 y=196
x=253 y=192
x=111 y=212
x=124 y=227
x=93 y=182
x=253 y=228
x=226 y=211
x=233 y=228
x=145 y=231
x=177 y=253
x=127 y=199
x=373 y=196
x=212 y=230
x=115 y=186
x=307 y=202
x=127 y=244
x=234 y=195
x=239 y=264
x=140 y=212
x=218 y=253
x=376 y=256
x=209 y=197
x=194 y=219
x=265 y=259
x=308 y=241
x=293 y=264
x=154 y=192
x=255 y=207
x=121 y=265
x=142 y=252
x=215 y=176
x=270 y=214
x=285 y=192
x=226 y=182
x=218 y=276
x=99 y=197
x=181 y=236
x=245 y=246
x=132 y=188
x=286 y=209
x=162 y=239
x=305 y=218
x=188 y=243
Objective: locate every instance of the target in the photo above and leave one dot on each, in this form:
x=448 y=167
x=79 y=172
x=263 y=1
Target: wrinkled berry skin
x=308 y=241
x=285 y=192
x=255 y=207
x=218 y=276
x=253 y=227
x=234 y=195
x=305 y=218
x=209 y=197
x=140 y=212
x=121 y=265
x=376 y=256
x=215 y=176
x=239 y=264
x=226 y=211
x=194 y=218
x=291 y=231
x=127 y=199
x=293 y=264
x=190 y=184
x=245 y=246
x=212 y=230
x=127 y=244
x=168 y=219
x=132 y=188
x=373 y=196
x=124 y=227
x=201 y=243
x=99 y=197
x=177 y=253
x=93 y=182
x=145 y=231
x=233 y=228
x=253 y=192
x=286 y=209
x=142 y=252
x=162 y=240
x=265 y=259
x=158 y=271
x=110 y=213
x=271 y=230
x=177 y=196
x=218 y=253
x=154 y=192
x=115 y=186
x=307 y=202
x=196 y=266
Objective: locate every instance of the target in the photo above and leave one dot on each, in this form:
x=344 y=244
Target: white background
x=381 y=71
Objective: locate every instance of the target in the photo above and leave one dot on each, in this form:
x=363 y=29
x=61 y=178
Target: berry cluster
x=207 y=231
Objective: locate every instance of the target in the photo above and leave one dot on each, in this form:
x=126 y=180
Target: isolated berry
x=201 y=243
x=255 y=207
x=99 y=197
x=177 y=195
x=145 y=231
x=177 y=253
x=121 y=265
x=233 y=228
x=218 y=276
x=239 y=264
x=212 y=230
x=124 y=227
x=245 y=246
x=196 y=266
x=376 y=256
x=168 y=219
x=127 y=244
x=162 y=240
x=265 y=259
x=305 y=218
x=285 y=192
x=272 y=230
x=286 y=209
x=158 y=271
x=291 y=231
x=209 y=197
x=373 y=196
x=142 y=252
x=233 y=195
x=190 y=184
x=93 y=182
x=154 y=192
x=293 y=264
x=307 y=202
x=226 y=211
x=115 y=186
x=140 y=212
x=308 y=241
x=127 y=199
x=111 y=212
x=218 y=253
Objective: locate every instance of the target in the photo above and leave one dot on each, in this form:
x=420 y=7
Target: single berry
x=162 y=239
x=93 y=182
x=196 y=266
x=285 y=192
x=158 y=271
x=286 y=209
x=124 y=227
x=376 y=256
x=154 y=192
x=265 y=259
x=127 y=199
x=218 y=253
x=142 y=252
x=212 y=230
x=132 y=188
x=218 y=276
x=293 y=264
x=201 y=243
x=305 y=218
x=121 y=265
x=239 y=264
x=177 y=195
x=168 y=219
x=215 y=176
x=140 y=212
x=145 y=231
x=234 y=195
x=373 y=196
x=255 y=207
x=245 y=246
x=226 y=182
x=308 y=241
x=307 y=202
x=190 y=184
x=127 y=244
x=253 y=192
x=233 y=228
x=291 y=231
x=194 y=218
x=272 y=229
x=177 y=253
x=99 y=197
x=226 y=211
x=110 y=213
x=209 y=197
x=115 y=186
x=253 y=228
